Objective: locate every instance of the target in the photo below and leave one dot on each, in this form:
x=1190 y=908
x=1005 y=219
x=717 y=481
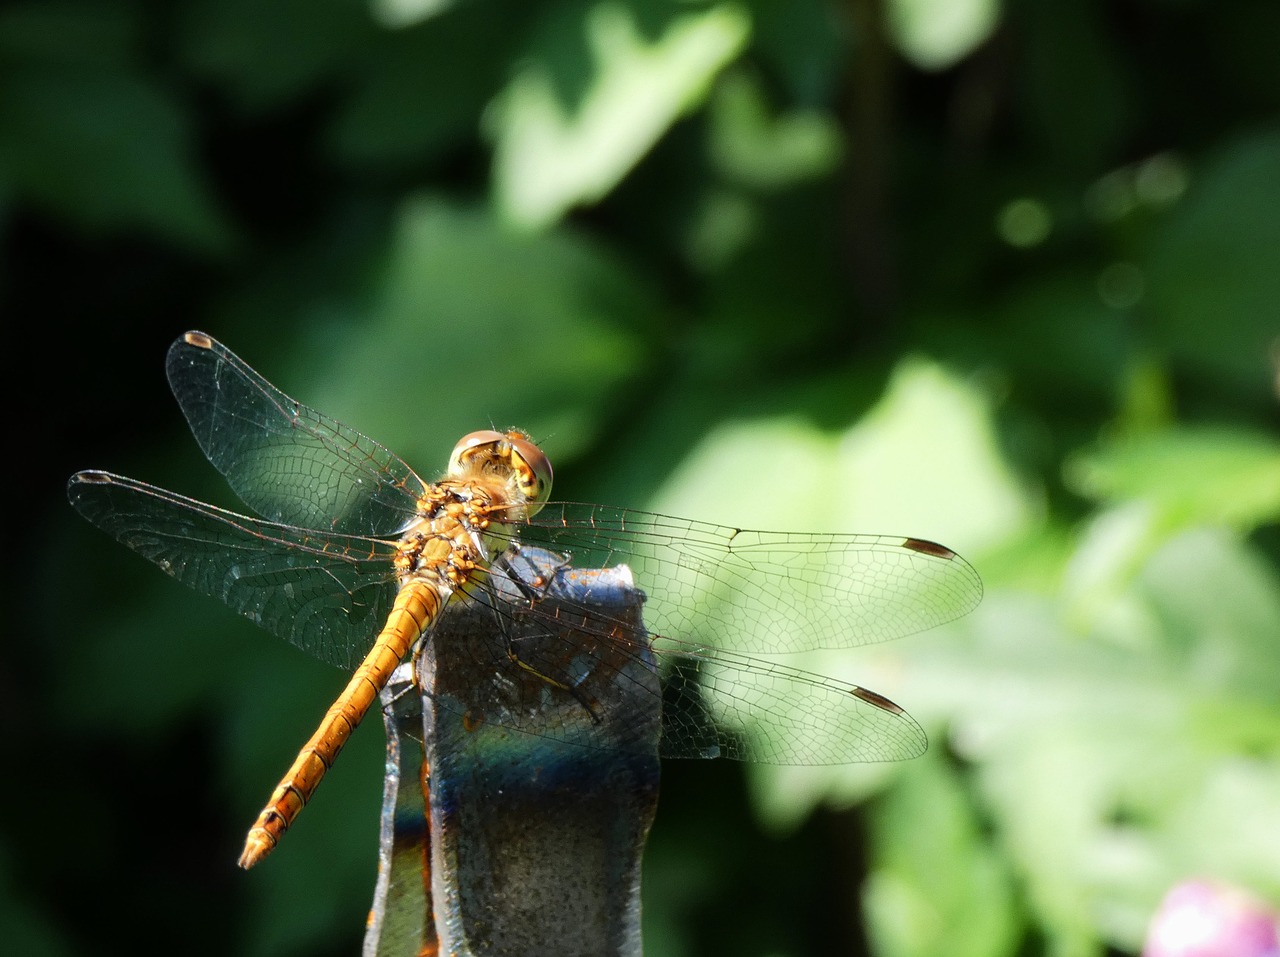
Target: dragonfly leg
x=534 y=591
x=532 y=587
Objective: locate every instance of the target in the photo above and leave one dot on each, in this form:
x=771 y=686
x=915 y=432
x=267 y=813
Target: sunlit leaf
x=934 y=34
x=1096 y=752
x=1193 y=476
x=555 y=151
x=406 y=13
x=938 y=887
x=922 y=462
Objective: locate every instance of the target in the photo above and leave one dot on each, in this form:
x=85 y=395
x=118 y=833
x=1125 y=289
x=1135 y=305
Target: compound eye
x=469 y=445
x=533 y=470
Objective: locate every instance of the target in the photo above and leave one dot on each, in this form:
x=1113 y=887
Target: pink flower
x=1204 y=918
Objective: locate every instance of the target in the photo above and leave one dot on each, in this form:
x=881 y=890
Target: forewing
x=287 y=462
x=327 y=594
x=714 y=587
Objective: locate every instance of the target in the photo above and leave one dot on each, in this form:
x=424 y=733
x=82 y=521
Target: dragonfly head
x=511 y=455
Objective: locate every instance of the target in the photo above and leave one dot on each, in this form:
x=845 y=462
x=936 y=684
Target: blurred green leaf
x=470 y=330
x=935 y=34
x=922 y=462
x=551 y=153
x=107 y=150
x=1056 y=335
x=1077 y=90
x=268 y=53
x=767 y=276
x=926 y=460
x=938 y=887
x=765 y=152
x=803 y=45
x=420 y=91
x=407 y=13
x=1094 y=749
x=26 y=930
x=99 y=33
x=1212 y=282
x=1219 y=607
x=1193 y=476
x=799 y=458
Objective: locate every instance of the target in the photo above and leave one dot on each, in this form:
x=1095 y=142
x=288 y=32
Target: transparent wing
x=569 y=665
x=732 y=706
x=713 y=588
x=287 y=462
x=327 y=594
x=715 y=596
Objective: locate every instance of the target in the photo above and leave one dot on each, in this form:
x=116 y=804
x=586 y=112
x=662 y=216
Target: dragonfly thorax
x=447 y=542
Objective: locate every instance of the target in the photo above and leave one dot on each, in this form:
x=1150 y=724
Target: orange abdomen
x=417 y=605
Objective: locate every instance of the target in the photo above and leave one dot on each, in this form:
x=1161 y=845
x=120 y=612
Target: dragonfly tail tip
x=256 y=846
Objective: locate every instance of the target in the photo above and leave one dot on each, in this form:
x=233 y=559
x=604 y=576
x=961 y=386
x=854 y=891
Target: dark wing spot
x=91 y=477
x=928 y=548
x=879 y=700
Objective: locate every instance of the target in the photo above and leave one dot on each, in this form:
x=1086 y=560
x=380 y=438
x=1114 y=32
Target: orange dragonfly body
x=355 y=559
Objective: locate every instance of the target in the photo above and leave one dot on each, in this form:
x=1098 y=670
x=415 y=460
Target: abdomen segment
x=417 y=605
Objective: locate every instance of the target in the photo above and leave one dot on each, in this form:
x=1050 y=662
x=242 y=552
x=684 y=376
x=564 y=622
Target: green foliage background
x=1004 y=275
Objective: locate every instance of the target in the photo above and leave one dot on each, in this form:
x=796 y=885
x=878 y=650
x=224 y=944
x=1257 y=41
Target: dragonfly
x=355 y=559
